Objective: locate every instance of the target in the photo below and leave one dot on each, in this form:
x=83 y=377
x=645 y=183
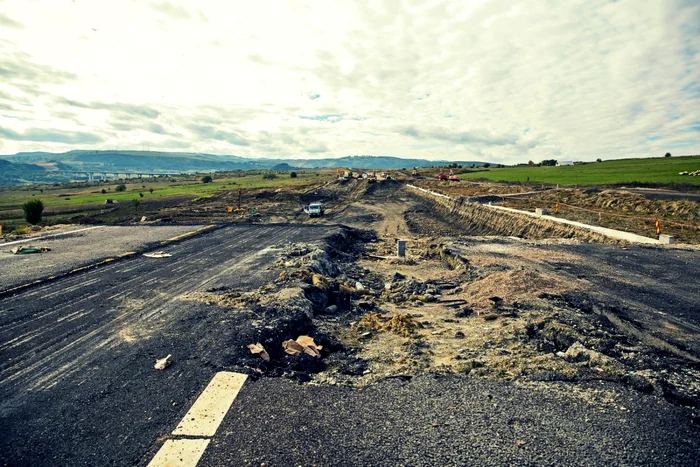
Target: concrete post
x=401 y=248
x=540 y=211
x=667 y=239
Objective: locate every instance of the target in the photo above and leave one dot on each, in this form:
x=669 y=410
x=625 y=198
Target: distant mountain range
x=35 y=167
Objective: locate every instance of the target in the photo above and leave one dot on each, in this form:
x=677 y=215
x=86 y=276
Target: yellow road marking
x=180 y=452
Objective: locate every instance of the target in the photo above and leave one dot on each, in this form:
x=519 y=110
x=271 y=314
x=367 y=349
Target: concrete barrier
x=481 y=219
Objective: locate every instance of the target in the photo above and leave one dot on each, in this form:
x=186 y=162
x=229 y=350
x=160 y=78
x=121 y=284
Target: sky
x=491 y=80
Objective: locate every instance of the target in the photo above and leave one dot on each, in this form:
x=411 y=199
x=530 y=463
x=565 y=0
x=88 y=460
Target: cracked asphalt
x=77 y=384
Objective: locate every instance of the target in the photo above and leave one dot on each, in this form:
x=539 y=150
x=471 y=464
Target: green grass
x=661 y=171
x=55 y=197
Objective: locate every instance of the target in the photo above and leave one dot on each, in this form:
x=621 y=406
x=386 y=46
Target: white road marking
x=200 y=422
x=180 y=452
x=34 y=239
x=206 y=414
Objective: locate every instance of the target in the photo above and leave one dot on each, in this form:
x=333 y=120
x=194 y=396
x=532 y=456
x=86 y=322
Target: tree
x=207 y=179
x=530 y=163
x=487 y=165
x=104 y=192
x=269 y=176
x=120 y=188
x=136 y=203
x=292 y=175
x=668 y=154
x=150 y=190
x=140 y=195
x=599 y=160
x=549 y=162
x=32 y=211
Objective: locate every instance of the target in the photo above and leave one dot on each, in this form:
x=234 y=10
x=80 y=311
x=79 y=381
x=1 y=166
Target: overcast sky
x=502 y=81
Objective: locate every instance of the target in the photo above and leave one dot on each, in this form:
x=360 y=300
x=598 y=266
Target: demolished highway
x=468 y=350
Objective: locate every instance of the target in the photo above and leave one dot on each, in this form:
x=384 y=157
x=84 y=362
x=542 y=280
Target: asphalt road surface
x=78 y=247
x=78 y=387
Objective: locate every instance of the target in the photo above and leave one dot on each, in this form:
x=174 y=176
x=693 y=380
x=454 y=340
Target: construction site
x=472 y=313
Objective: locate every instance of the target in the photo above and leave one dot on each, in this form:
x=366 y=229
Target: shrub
x=668 y=154
x=141 y=195
x=32 y=211
x=104 y=192
x=269 y=176
x=136 y=203
x=292 y=175
x=120 y=188
x=20 y=230
x=150 y=190
x=207 y=179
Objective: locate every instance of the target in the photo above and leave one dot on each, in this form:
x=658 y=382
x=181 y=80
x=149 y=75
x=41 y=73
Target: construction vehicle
x=314 y=210
x=343 y=173
x=453 y=177
x=414 y=173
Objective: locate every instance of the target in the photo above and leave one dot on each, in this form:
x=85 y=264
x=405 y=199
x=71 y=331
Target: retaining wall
x=479 y=219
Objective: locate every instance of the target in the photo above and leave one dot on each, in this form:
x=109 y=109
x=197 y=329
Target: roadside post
x=658 y=227
x=401 y=248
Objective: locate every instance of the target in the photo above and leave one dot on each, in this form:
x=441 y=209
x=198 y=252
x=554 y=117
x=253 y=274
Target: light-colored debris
x=163 y=363
x=157 y=254
x=258 y=349
x=28 y=249
x=303 y=344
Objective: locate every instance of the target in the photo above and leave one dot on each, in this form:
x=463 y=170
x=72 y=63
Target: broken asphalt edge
x=149 y=247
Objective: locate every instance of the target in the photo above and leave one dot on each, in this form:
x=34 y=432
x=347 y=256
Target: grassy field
x=62 y=203
x=661 y=171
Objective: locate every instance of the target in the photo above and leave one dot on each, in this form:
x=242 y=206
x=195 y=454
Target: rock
x=577 y=353
x=359 y=287
x=331 y=310
x=320 y=281
x=398 y=277
x=459 y=335
x=354 y=367
x=464 y=312
x=640 y=383
x=258 y=349
x=163 y=363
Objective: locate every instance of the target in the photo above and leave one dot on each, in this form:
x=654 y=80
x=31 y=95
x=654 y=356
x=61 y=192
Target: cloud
x=115 y=107
x=7 y=22
x=218 y=134
x=317 y=148
x=171 y=10
x=459 y=137
x=456 y=80
x=52 y=136
x=16 y=68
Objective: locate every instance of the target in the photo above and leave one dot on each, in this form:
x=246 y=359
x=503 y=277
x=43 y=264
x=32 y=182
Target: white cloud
x=488 y=79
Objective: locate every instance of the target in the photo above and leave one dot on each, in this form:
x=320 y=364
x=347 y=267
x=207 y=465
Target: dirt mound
x=514 y=286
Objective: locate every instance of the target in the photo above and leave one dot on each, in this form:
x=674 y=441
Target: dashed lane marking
x=200 y=422
x=206 y=414
x=180 y=452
